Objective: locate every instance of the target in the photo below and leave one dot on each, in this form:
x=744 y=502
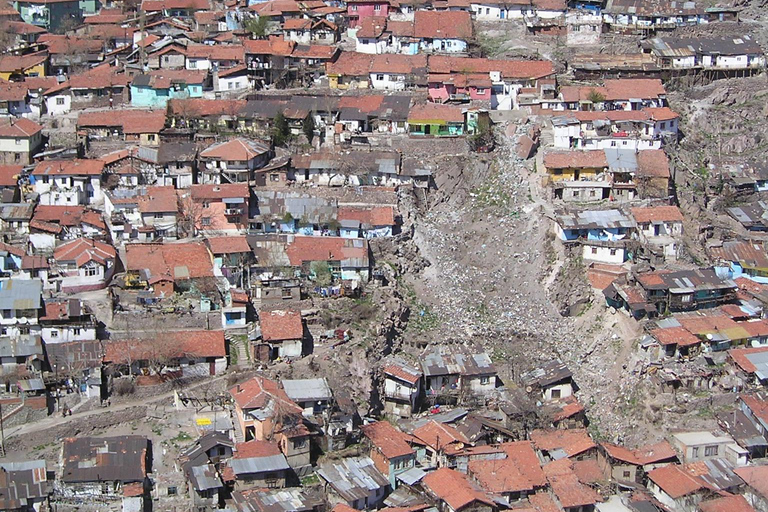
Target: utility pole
x=2 y=433
x=142 y=22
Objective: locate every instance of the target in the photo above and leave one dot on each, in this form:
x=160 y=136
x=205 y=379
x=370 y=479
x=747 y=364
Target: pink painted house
x=361 y=9
x=459 y=87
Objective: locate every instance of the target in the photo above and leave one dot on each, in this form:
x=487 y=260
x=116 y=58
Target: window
x=694 y=452
x=274 y=177
x=91 y=271
x=206 y=204
x=711 y=451
x=555 y=394
x=377 y=7
x=480 y=90
x=17 y=157
x=172 y=491
x=594 y=250
x=299 y=443
x=613 y=143
x=591 y=193
x=685 y=298
x=18 y=141
x=205 y=221
x=663 y=125
x=158 y=215
x=485 y=380
x=380 y=77
x=76 y=331
x=354 y=7
x=613 y=252
x=54 y=334
x=59 y=101
x=151 y=137
x=575 y=193
x=626 y=474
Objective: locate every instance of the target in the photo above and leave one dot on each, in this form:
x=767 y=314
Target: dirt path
x=58 y=420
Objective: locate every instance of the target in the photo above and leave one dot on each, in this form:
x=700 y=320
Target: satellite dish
x=528 y=389
x=23 y=320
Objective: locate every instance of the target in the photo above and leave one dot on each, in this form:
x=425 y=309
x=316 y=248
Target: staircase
x=239 y=349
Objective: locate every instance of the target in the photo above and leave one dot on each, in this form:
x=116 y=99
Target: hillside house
x=114 y=468
x=282 y=335
x=20 y=140
x=82 y=265
x=218 y=209
x=175 y=353
x=233 y=161
x=455 y=373
x=391 y=450
x=68 y=182
x=660 y=229
x=602 y=233
x=402 y=387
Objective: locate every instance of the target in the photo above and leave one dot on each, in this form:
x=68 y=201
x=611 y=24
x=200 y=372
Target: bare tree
x=191 y=215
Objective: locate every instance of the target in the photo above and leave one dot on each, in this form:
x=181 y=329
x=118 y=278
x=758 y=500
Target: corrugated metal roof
x=305 y=390
x=21 y=294
x=353 y=478
x=259 y=464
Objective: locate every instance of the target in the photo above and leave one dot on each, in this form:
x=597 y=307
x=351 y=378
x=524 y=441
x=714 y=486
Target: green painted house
x=56 y=16
x=436 y=119
x=157 y=87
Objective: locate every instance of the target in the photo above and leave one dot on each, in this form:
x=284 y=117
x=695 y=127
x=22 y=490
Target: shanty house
x=449 y=371
x=603 y=233
x=112 y=469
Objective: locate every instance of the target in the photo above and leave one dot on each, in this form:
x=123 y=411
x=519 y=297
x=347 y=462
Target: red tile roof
x=160 y=199
x=566 y=408
x=661 y=113
x=575 y=159
x=258 y=392
x=657 y=214
x=387 y=439
x=177 y=261
x=159 y=5
x=442 y=25
x=756 y=477
x=675 y=336
x=676 y=482
x=192 y=344
x=281 y=325
x=18 y=128
x=454 y=489
x=199 y=107
x=509 y=69
x=9 y=175
x=571 y=492
x=653 y=162
x=272 y=46
x=757 y=405
x=326 y=248
x=439 y=435
x=216 y=52
x=401 y=373
x=371 y=216
x=130 y=121
x=727 y=504
x=77 y=167
x=84 y=250
x=498 y=476
x=68 y=216
x=428 y=113
x=228 y=245
x=543 y=502
x=235 y=150
x=256 y=449
x=223 y=191
x=526 y=460
x=739 y=357
x=571 y=441
x=21 y=63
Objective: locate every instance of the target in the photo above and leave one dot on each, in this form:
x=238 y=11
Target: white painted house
x=84 y=264
x=68 y=182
